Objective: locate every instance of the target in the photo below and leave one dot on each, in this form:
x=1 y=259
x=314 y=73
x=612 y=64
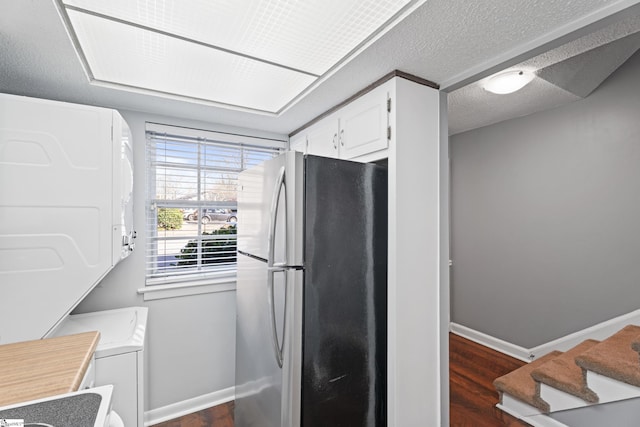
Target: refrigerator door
x=345 y=285
x=258 y=188
x=292 y=351
x=269 y=294
x=258 y=375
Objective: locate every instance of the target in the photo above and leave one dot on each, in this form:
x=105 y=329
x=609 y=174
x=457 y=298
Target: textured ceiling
x=450 y=43
x=565 y=74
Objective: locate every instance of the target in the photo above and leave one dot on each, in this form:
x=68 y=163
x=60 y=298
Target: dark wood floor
x=218 y=416
x=473 y=398
x=472 y=369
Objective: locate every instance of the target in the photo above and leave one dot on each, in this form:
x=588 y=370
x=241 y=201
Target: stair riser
x=518 y=406
x=559 y=400
x=609 y=390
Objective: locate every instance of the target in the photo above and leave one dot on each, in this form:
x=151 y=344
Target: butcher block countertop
x=42 y=368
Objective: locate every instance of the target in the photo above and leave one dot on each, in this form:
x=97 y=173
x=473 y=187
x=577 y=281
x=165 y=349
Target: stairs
x=591 y=373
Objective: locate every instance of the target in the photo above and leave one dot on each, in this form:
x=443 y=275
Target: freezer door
x=263 y=199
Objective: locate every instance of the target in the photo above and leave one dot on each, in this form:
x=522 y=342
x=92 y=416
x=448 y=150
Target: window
x=191 y=207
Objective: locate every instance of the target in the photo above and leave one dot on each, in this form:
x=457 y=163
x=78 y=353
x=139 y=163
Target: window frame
x=200 y=280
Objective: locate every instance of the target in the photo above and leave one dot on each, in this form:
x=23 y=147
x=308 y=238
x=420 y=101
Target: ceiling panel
x=185 y=48
x=306 y=35
x=122 y=54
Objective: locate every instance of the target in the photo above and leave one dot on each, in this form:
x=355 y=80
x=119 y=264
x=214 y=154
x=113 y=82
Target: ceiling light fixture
x=508 y=81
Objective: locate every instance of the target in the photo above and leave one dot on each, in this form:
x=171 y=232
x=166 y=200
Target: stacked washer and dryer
x=66 y=219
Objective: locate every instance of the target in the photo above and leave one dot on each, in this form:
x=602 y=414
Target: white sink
x=64 y=410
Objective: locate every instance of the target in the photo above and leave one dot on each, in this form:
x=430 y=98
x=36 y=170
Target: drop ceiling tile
x=126 y=55
x=311 y=35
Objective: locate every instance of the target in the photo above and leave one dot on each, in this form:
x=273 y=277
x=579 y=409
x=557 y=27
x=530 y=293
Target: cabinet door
x=322 y=138
x=363 y=124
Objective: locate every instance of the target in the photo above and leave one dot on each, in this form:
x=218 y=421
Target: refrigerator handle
x=272 y=267
x=278 y=347
x=273 y=216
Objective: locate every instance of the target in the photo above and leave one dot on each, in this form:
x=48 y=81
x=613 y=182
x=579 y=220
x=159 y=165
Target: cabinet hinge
x=388 y=105
x=389 y=133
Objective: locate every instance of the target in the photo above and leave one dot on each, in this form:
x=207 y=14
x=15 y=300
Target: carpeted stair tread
x=635 y=345
x=614 y=357
x=520 y=385
x=563 y=373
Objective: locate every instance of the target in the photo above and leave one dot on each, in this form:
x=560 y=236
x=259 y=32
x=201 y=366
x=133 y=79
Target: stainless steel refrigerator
x=311 y=330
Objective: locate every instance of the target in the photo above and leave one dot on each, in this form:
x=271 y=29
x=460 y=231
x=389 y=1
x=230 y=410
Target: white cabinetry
x=124 y=372
x=322 y=137
x=357 y=129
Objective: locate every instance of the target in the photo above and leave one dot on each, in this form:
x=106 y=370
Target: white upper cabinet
x=359 y=128
x=364 y=124
x=322 y=137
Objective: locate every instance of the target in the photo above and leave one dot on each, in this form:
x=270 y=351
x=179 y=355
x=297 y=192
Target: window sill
x=195 y=287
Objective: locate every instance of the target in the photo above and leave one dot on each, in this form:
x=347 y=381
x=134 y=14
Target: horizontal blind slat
x=192 y=200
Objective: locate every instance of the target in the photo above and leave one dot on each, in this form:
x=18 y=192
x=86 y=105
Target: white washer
x=119 y=357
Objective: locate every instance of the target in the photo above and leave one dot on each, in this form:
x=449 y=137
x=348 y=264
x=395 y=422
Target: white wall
x=190 y=348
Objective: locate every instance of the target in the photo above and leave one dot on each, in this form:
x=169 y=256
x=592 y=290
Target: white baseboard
x=597 y=332
x=497 y=344
x=188 y=406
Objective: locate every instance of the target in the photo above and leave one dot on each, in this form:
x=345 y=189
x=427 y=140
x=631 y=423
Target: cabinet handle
x=335 y=143
x=342 y=137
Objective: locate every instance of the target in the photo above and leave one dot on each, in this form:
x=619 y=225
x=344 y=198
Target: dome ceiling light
x=508 y=81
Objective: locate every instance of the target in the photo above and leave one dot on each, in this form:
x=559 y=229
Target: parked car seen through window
x=208 y=215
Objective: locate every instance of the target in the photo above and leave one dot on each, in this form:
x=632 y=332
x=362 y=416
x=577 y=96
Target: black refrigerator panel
x=345 y=292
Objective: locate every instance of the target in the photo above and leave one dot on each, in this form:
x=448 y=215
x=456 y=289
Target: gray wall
x=546 y=217
x=190 y=348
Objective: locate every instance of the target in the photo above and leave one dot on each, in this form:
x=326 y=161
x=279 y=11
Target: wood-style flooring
x=472 y=396
x=218 y=416
x=472 y=369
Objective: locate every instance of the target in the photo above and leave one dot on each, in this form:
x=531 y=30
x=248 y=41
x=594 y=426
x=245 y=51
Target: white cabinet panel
x=322 y=137
x=357 y=129
x=364 y=123
x=121 y=371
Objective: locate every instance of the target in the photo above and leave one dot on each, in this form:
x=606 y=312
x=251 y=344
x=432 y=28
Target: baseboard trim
x=179 y=409
x=497 y=344
x=597 y=332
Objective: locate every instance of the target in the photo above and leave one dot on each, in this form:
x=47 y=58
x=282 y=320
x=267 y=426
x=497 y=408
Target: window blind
x=191 y=219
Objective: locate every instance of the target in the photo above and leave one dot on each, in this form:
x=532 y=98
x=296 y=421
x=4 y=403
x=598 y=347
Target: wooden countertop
x=42 y=368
